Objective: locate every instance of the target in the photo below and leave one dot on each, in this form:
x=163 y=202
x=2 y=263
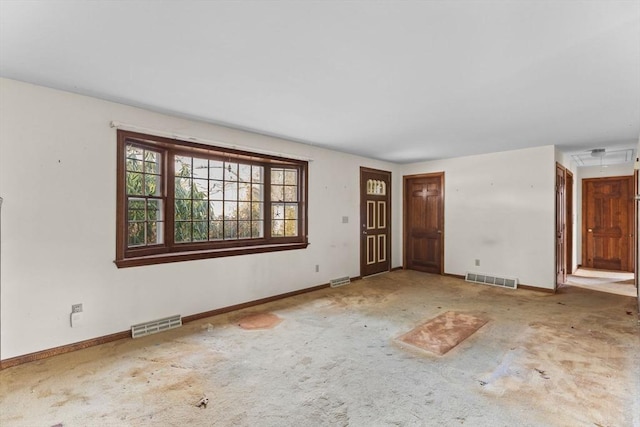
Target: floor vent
x=486 y=279
x=340 y=281
x=148 y=328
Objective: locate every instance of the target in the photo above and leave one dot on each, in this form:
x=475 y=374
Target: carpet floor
x=331 y=358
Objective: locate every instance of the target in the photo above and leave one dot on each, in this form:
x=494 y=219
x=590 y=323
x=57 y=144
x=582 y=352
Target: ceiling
x=398 y=81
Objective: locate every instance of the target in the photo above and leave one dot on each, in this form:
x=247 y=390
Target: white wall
x=585 y=172
x=57 y=178
x=499 y=208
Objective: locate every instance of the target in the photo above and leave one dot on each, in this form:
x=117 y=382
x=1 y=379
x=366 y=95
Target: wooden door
x=561 y=219
x=424 y=222
x=607 y=225
x=375 y=217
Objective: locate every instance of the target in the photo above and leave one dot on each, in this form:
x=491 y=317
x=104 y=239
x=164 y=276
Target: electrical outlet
x=317 y=268
x=76 y=308
x=477 y=263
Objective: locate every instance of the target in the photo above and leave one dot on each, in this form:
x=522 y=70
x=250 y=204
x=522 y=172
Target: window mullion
x=169 y=205
x=267 y=202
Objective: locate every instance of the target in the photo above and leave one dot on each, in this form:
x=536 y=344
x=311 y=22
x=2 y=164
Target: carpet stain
x=259 y=321
x=444 y=332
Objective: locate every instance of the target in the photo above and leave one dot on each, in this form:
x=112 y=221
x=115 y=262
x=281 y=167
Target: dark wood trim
x=243 y=305
x=455 y=276
x=397 y=268
x=536 y=288
x=169 y=251
x=215 y=253
x=45 y=354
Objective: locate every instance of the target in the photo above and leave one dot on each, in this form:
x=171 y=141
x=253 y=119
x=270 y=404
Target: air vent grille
x=155 y=326
x=340 y=281
x=487 y=279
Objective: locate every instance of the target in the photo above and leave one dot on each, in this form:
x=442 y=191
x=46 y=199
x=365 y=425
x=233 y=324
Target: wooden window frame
x=168 y=250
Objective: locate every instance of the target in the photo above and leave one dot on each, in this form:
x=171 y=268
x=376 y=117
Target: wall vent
x=340 y=281
x=148 y=328
x=487 y=279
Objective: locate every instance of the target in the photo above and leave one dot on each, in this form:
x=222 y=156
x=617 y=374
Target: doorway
x=424 y=222
x=375 y=217
x=561 y=224
x=607 y=223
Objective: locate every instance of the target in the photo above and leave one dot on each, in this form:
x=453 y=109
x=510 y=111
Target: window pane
x=215 y=230
x=200 y=168
x=290 y=194
x=291 y=228
x=257 y=210
x=153 y=237
x=231 y=191
x=152 y=162
x=216 y=168
x=291 y=177
x=244 y=192
x=200 y=189
x=200 y=210
x=291 y=211
x=277 y=228
x=230 y=230
x=257 y=229
x=257 y=174
x=277 y=176
x=257 y=192
x=183 y=166
x=133 y=152
x=183 y=210
x=215 y=210
x=277 y=193
x=182 y=232
x=154 y=210
x=244 y=229
x=183 y=188
x=136 y=210
x=136 y=234
x=200 y=231
x=152 y=185
x=134 y=165
x=135 y=183
x=244 y=210
x=231 y=210
x=230 y=171
x=244 y=173
x=215 y=190
x=277 y=211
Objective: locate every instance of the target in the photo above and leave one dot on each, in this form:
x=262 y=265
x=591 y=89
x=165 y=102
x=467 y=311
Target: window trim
x=169 y=251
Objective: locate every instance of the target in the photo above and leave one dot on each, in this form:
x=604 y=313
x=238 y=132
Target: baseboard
x=45 y=354
x=456 y=276
x=397 y=268
x=535 y=288
x=236 y=307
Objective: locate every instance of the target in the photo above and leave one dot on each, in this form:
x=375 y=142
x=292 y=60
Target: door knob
x=590 y=230
x=439 y=231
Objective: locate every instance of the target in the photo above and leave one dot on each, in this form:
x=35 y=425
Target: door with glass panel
x=375 y=221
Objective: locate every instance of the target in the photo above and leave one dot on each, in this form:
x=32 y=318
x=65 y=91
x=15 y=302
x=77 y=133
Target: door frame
x=569 y=221
x=561 y=225
x=405 y=239
x=363 y=217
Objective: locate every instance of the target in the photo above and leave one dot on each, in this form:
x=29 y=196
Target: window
x=179 y=201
